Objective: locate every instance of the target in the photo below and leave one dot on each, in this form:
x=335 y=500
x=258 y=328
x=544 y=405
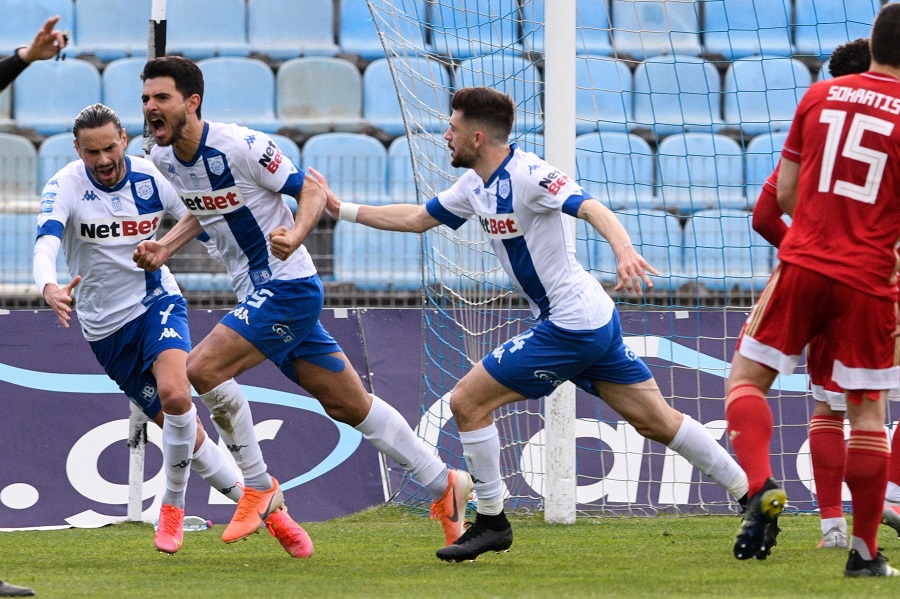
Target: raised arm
x=310 y=204
x=151 y=255
x=631 y=267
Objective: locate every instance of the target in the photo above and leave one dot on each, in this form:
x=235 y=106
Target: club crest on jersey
x=216 y=165
x=500 y=226
x=117 y=204
x=503 y=188
x=144 y=189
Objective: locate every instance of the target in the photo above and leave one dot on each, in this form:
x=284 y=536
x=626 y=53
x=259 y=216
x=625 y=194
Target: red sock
x=894 y=469
x=866 y=475
x=827 y=449
x=750 y=431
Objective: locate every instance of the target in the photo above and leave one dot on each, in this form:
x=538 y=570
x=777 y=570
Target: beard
x=176 y=131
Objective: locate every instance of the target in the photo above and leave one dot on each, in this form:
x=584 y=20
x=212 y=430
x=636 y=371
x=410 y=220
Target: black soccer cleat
x=877 y=566
x=479 y=538
x=759 y=527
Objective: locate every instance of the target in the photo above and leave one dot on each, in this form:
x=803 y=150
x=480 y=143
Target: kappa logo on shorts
x=241 y=313
x=549 y=376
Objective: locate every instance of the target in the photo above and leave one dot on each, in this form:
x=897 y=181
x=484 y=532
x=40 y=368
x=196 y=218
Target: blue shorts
x=128 y=354
x=281 y=318
x=542 y=358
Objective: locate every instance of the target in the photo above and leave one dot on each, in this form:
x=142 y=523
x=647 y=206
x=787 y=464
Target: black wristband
x=20 y=62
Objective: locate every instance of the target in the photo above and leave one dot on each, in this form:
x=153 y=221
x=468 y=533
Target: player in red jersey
x=838 y=274
x=826 y=430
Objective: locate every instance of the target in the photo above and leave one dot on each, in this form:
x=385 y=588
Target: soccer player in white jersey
x=232 y=180
x=99 y=208
x=520 y=201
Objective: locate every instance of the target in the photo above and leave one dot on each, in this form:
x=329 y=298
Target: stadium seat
x=604 y=94
x=375 y=260
x=464 y=30
x=55 y=152
x=223 y=31
x=644 y=28
x=253 y=106
x=593 y=32
x=208 y=282
x=122 y=89
x=699 y=171
x=594 y=253
x=22 y=18
x=357 y=32
x=426 y=95
x=35 y=107
x=135 y=146
x=464 y=260
x=288 y=147
x=434 y=169
x=822 y=25
x=286 y=29
x=675 y=93
x=532 y=142
x=512 y=75
x=739 y=28
x=111 y=29
x=18 y=174
x=354 y=164
x=722 y=251
x=303 y=101
x=616 y=168
x=658 y=237
x=763 y=153
x=17 y=235
x=761 y=94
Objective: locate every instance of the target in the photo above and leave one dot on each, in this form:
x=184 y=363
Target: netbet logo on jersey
x=110 y=231
x=271 y=158
x=500 y=226
x=554 y=181
x=219 y=201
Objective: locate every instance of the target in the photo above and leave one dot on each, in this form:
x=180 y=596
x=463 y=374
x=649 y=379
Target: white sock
x=696 y=445
x=227 y=402
x=861 y=547
x=892 y=493
x=215 y=468
x=385 y=428
x=178 y=438
x=829 y=523
x=481 y=449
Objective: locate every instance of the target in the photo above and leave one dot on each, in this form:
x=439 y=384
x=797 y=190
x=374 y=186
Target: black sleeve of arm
x=10 y=68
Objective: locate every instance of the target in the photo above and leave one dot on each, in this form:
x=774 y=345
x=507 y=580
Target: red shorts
x=799 y=304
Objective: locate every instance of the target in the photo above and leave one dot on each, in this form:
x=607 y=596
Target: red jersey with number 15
x=846 y=225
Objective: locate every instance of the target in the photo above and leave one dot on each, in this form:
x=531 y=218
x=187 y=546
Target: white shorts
x=838 y=401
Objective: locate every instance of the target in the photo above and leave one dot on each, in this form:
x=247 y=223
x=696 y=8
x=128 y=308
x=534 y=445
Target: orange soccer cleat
x=290 y=534
x=450 y=509
x=252 y=510
x=170 y=529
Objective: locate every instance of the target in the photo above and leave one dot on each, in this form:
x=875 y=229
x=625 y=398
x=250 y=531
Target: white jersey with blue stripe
x=521 y=209
x=233 y=185
x=100 y=227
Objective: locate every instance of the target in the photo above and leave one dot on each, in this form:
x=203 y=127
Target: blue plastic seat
x=354 y=164
x=761 y=94
x=739 y=28
x=122 y=89
x=644 y=28
x=288 y=147
x=357 y=31
x=253 y=107
x=55 y=152
x=673 y=94
x=701 y=171
x=111 y=29
x=463 y=259
x=762 y=155
x=376 y=260
x=475 y=28
x=285 y=29
x=512 y=75
x=35 y=107
x=135 y=146
x=18 y=174
x=223 y=31
x=723 y=251
x=822 y=25
x=17 y=235
x=604 y=94
x=434 y=172
x=21 y=19
x=425 y=94
x=304 y=101
x=592 y=21
x=658 y=237
x=616 y=168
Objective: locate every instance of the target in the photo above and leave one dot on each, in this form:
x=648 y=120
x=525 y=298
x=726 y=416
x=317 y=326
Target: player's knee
x=175 y=399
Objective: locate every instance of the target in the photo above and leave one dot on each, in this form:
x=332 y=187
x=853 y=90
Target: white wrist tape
x=348 y=212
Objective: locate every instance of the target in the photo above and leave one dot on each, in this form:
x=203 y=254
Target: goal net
x=681 y=108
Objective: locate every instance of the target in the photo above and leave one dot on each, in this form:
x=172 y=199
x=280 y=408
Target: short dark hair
x=96 y=115
x=184 y=72
x=850 y=58
x=883 y=42
x=488 y=107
